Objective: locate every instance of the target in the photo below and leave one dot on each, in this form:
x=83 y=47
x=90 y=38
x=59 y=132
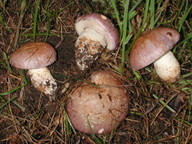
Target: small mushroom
x=36 y=56
x=98 y=107
x=96 y=32
x=154 y=46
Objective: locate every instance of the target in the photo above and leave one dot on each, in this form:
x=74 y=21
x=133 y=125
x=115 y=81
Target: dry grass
x=27 y=116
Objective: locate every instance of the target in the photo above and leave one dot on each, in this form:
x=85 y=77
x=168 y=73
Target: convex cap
x=33 y=55
x=151 y=46
x=103 y=105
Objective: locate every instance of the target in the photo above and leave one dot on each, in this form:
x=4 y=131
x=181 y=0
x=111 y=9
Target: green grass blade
x=66 y=124
x=12 y=90
x=69 y=122
x=185 y=15
x=187 y=75
x=17 y=88
x=37 y=6
x=164 y=104
x=7 y=102
x=142 y=27
x=128 y=38
x=5 y=57
x=157 y=18
x=137 y=75
x=135 y=6
x=22 y=73
x=145 y=13
x=4 y=23
x=92 y=133
x=2 y=4
x=125 y=20
x=22 y=13
x=113 y=2
x=152 y=14
x=124 y=34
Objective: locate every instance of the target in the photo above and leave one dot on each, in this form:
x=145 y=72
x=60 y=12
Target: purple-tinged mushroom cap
x=101 y=107
x=101 y=24
x=151 y=46
x=96 y=33
x=36 y=56
x=154 y=47
x=33 y=55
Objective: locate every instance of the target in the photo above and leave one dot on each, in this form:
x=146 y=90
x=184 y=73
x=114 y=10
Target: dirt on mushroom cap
x=103 y=105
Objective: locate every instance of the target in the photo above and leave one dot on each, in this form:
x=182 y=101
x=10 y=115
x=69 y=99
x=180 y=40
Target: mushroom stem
x=167 y=67
x=89 y=45
x=43 y=80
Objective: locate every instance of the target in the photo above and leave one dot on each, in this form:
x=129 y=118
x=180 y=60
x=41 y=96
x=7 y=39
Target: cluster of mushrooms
x=99 y=107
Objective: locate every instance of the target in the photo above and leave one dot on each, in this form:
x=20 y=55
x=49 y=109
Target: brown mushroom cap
x=99 y=23
x=103 y=106
x=151 y=46
x=33 y=55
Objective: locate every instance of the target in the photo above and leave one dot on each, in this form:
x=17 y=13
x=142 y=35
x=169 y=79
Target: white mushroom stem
x=43 y=80
x=167 y=67
x=89 y=45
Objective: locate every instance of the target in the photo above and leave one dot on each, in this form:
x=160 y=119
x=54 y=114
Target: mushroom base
x=43 y=80
x=89 y=46
x=167 y=67
x=87 y=51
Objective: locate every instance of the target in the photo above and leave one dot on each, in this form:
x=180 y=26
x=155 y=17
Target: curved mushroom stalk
x=89 y=45
x=43 y=80
x=167 y=67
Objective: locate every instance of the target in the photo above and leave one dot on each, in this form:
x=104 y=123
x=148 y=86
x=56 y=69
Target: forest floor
x=159 y=112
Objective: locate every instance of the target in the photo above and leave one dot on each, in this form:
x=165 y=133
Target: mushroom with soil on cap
x=96 y=32
x=154 y=46
x=36 y=56
x=98 y=107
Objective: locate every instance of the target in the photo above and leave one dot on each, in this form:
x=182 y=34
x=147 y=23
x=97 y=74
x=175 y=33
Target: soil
x=28 y=116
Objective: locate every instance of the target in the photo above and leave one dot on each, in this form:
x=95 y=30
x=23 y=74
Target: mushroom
x=98 y=107
x=154 y=46
x=96 y=32
x=36 y=56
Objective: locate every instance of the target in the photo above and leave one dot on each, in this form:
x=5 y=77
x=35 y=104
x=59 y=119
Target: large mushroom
x=98 y=107
x=96 y=32
x=36 y=56
x=154 y=47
